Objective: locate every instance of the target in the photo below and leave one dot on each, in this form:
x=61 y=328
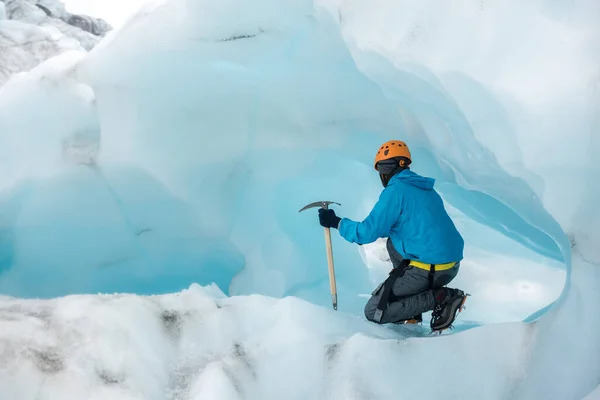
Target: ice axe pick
x=325 y=205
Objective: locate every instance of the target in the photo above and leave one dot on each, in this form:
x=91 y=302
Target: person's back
x=424 y=231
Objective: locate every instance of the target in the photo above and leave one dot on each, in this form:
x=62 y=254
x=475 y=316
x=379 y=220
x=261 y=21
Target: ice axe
x=325 y=205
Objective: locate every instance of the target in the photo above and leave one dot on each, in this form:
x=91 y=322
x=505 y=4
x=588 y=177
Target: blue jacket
x=411 y=213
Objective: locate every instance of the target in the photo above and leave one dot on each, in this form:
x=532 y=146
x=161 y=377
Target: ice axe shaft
x=332 y=285
x=328 y=247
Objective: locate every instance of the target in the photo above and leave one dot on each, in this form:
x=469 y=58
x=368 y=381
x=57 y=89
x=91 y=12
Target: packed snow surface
x=198 y=344
x=169 y=163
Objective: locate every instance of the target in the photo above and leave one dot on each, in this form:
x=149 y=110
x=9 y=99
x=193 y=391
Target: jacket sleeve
x=378 y=223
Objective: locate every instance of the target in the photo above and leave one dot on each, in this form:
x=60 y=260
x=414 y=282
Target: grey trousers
x=410 y=295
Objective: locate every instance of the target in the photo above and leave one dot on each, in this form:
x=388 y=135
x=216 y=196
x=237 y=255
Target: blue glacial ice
x=172 y=160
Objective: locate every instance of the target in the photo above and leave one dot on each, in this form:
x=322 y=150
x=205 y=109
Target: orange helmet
x=392 y=149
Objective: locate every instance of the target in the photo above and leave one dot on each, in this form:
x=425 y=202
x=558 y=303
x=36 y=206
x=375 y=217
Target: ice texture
x=170 y=162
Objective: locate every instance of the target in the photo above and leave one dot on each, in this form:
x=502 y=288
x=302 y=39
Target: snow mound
x=199 y=344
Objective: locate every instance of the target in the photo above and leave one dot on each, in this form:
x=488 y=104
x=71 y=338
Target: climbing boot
x=417 y=319
x=448 y=302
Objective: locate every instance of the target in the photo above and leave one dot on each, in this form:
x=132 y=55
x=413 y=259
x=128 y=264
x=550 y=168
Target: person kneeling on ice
x=424 y=245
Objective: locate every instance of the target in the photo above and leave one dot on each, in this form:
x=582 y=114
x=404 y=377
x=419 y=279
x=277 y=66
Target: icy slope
x=175 y=142
x=34 y=31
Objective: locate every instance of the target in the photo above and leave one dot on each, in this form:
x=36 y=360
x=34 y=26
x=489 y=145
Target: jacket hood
x=407 y=176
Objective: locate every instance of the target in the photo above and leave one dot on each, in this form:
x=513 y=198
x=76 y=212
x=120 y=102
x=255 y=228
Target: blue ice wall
x=213 y=137
x=109 y=230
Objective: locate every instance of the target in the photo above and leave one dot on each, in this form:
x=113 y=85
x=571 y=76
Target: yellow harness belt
x=427 y=267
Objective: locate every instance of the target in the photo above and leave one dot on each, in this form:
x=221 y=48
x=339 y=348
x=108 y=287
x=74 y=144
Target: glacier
x=34 y=31
x=150 y=240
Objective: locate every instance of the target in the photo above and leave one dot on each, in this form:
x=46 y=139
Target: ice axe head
x=322 y=204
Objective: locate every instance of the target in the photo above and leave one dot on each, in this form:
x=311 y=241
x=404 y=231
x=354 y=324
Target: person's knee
x=369 y=313
x=370 y=310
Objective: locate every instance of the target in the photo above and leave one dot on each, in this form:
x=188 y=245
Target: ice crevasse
x=169 y=163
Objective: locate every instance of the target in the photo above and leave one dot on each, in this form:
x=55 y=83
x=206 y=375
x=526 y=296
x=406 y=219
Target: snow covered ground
x=170 y=162
x=199 y=344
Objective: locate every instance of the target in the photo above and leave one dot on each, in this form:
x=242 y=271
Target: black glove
x=328 y=219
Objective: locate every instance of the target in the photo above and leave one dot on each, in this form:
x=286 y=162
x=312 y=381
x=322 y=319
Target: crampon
x=459 y=309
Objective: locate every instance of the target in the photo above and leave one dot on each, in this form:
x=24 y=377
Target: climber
x=424 y=246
